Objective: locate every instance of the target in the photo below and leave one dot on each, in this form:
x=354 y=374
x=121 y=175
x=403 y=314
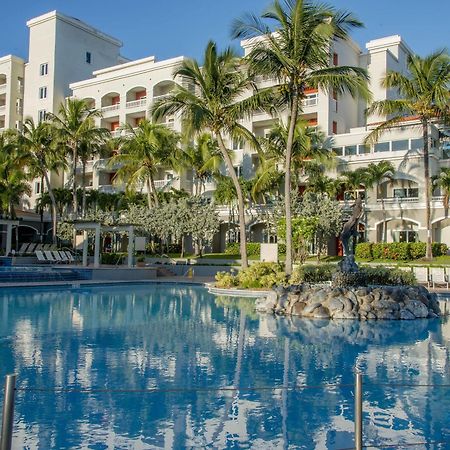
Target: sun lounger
x=46 y=246
x=63 y=256
x=39 y=247
x=53 y=247
x=439 y=277
x=48 y=254
x=31 y=249
x=422 y=275
x=23 y=248
x=69 y=256
x=41 y=258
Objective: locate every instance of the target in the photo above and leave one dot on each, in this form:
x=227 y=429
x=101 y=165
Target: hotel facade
x=70 y=58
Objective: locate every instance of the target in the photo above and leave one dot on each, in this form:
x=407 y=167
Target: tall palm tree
x=75 y=129
x=42 y=157
x=297 y=52
x=214 y=101
x=321 y=184
x=142 y=152
x=204 y=159
x=423 y=93
x=377 y=174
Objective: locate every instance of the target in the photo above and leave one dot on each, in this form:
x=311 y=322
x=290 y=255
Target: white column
x=8 y=238
x=85 y=248
x=130 y=246
x=97 y=247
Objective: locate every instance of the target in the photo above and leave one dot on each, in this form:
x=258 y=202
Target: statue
x=348 y=236
x=350 y=229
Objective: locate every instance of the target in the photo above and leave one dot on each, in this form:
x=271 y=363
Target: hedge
x=397 y=251
x=253 y=249
x=113 y=258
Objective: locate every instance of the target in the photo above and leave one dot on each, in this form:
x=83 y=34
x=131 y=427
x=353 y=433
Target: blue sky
x=168 y=28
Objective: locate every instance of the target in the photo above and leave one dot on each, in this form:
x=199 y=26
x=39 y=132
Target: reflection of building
x=69 y=57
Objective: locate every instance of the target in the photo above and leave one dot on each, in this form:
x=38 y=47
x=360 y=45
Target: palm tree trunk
x=287 y=184
x=383 y=208
x=426 y=166
x=155 y=194
x=53 y=209
x=74 y=181
x=149 y=194
x=240 y=198
x=83 y=187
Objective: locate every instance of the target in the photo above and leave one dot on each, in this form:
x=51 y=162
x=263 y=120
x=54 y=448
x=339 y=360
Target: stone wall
x=361 y=303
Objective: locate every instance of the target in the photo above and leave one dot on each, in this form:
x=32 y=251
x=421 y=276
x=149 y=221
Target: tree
x=297 y=52
x=75 y=131
x=214 y=99
x=310 y=146
x=204 y=159
x=14 y=181
x=42 y=156
x=442 y=181
x=142 y=152
x=377 y=174
x=423 y=93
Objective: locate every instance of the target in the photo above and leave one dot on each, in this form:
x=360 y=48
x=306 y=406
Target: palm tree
x=442 y=181
x=321 y=184
x=310 y=146
x=296 y=52
x=14 y=180
x=42 y=157
x=214 y=101
x=423 y=93
x=76 y=129
x=377 y=174
x=204 y=159
x=143 y=151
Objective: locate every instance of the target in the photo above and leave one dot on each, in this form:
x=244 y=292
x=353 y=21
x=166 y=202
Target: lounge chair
x=422 y=275
x=48 y=254
x=23 y=248
x=63 y=256
x=53 y=247
x=438 y=276
x=40 y=256
x=69 y=256
x=46 y=246
x=31 y=249
x=39 y=247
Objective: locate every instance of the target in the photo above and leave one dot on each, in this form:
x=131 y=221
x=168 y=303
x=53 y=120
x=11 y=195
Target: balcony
x=116 y=133
x=106 y=109
x=136 y=103
x=161 y=184
x=3 y=88
x=398 y=200
x=169 y=125
x=111 y=188
x=311 y=100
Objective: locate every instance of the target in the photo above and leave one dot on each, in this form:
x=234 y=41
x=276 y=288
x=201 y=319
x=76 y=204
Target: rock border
x=357 y=303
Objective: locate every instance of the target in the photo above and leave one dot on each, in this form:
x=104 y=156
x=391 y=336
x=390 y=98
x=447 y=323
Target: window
x=238 y=144
x=405 y=236
x=88 y=57
x=41 y=115
x=334 y=127
x=43 y=69
x=381 y=147
x=406 y=193
x=363 y=149
x=350 y=150
x=43 y=92
x=335 y=59
x=37 y=187
x=417 y=144
x=337 y=151
x=400 y=145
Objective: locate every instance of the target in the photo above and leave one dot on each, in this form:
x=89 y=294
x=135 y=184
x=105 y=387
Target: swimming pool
x=97 y=342
x=27 y=274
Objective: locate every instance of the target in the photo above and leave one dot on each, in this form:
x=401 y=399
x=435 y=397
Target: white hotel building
x=70 y=58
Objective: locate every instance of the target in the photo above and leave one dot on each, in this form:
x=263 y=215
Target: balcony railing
x=391 y=200
x=312 y=100
x=169 y=125
x=2 y=108
x=137 y=103
x=111 y=108
x=111 y=188
x=2 y=87
x=116 y=133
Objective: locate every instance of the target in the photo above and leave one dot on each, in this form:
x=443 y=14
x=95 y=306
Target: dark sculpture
x=350 y=229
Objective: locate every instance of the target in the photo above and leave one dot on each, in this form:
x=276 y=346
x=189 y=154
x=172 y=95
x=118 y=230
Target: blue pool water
x=27 y=274
x=95 y=341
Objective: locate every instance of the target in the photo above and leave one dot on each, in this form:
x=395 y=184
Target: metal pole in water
x=8 y=413
x=358 y=412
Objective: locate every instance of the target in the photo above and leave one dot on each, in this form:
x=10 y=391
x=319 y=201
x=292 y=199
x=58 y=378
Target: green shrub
x=379 y=250
x=113 y=258
x=363 y=250
x=226 y=280
x=417 y=250
x=282 y=249
x=253 y=248
x=312 y=273
x=439 y=249
x=387 y=276
x=398 y=251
